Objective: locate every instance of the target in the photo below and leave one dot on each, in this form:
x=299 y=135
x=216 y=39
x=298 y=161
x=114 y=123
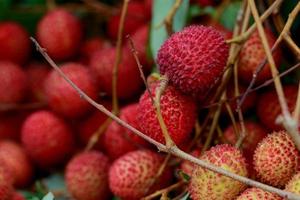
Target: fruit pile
x=190 y=99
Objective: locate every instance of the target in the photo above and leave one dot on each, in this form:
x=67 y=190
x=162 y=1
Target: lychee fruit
x=258 y=194
x=205 y=184
x=6 y=188
x=87 y=176
x=62 y=97
x=90 y=46
x=132 y=175
x=294 y=184
x=276 y=159
x=129 y=81
x=60 y=33
x=252 y=54
x=17 y=161
x=14 y=43
x=194 y=59
x=47 y=138
x=268 y=107
x=14 y=84
x=178 y=111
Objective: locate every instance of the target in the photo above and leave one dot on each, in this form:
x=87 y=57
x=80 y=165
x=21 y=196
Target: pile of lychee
x=46 y=126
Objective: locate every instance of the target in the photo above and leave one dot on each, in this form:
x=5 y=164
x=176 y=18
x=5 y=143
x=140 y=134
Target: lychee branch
x=168 y=21
x=172 y=150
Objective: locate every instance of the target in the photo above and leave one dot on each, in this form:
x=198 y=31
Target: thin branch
x=172 y=150
x=164 y=190
x=297 y=107
x=296 y=50
x=168 y=21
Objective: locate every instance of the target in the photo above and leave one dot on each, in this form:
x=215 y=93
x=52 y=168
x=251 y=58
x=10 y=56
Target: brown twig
x=168 y=21
x=172 y=150
x=296 y=114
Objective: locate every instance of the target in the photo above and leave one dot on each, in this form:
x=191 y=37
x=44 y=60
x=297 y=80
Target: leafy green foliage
x=229 y=14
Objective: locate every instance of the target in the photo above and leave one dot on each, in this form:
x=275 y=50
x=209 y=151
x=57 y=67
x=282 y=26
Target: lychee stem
x=173 y=150
x=168 y=21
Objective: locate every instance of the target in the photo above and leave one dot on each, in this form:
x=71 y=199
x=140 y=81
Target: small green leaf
x=186 y=197
x=48 y=196
x=229 y=14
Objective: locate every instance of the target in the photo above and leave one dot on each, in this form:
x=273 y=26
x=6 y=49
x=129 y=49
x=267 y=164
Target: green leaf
x=186 y=197
x=196 y=10
x=48 y=196
x=158 y=33
x=4 y=8
x=55 y=182
x=229 y=14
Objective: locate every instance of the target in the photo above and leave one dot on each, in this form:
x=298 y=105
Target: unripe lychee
x=14 y=43
x=131 y=176
x=252 y=54
x=178 y=111
x=87 y=176
x=194 y=59
x=47 y=138
x=268 y=107
x=294 y=184
x=276 y=159
x=17 y=161
x=62 y=97
x=258 y=194
x=129 y=81
x=205 y=184
x=60 y=33
x=6 y=188
x=13 y=82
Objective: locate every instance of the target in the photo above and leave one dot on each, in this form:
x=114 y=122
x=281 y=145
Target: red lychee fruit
x=6 y=188
x=178 y=112
x=131 y=176
x=60 y=33
x=276 y=159
x=205 y=184
x=18 y=196
x=14 y=43
x=17 y=161
x=252 y=54
x=14 y=84
x=135 y=18
x=268 y=107
x=62 y=97
x=148 y=8
x=194 y=59
x=10 y=126
x=37 y=73
x=119 y=140
x=47 y=138
x=226 y=33
x=258 y=194
x=91 y=124
x=87 y=176
x=129 y=81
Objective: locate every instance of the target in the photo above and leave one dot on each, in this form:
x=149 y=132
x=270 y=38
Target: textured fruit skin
x=135 y=18
x=268 y=107
x=60 y=33
x=178 y=112
x=14 y=43
x=6 y=188
x=62 y=97
x=37 y=73
x=194 y=59
x=276 y=159
x=46 y=138
x=129 y=81
x=119 y=140
x=131 y=176
x=205 y=184
x=18 y=162
x=87 y=176
x=13 y=82
x=294 y=184
x=252 y=54
x=258 y=194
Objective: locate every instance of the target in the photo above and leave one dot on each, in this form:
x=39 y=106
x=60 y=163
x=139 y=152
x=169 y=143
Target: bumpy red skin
x=6 y=187
x=46 y=138
x=14 y=82
x=131 y=176
x=205 y=184
x=194 y=59
x=87 y=176
x=129 y=81
x=60 y=33
x=14 y=43
x=135 y=18
x=276 y=159
x=256 y=194
x=268 y=107
x=178 y=112
x=17 y=160
x=293 y=184
x=118 y=140
x=18 y=196
x=37 y=73
x=252 y=54
x=62 y=97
